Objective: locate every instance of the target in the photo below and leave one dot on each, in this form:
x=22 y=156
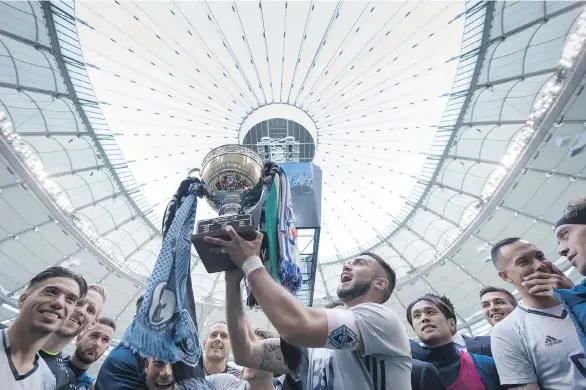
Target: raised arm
x=247 y=350
x=297 y=324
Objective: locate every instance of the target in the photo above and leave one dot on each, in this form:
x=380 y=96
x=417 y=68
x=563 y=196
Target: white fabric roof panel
x=25 y=19
x=324 y=73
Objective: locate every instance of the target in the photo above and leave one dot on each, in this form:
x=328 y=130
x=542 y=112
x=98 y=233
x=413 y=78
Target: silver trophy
x=234 y=186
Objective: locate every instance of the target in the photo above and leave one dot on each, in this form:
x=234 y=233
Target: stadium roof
x=420 y=111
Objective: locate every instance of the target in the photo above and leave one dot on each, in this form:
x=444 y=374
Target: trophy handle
x=194 y=170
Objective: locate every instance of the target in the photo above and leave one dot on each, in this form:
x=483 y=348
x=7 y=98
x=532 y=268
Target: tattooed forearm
x=271 y=357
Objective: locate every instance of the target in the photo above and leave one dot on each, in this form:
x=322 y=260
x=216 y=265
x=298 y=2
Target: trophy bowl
x=228 y=172
x=232 y=177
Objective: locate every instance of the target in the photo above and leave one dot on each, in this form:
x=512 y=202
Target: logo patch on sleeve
x=343 y=338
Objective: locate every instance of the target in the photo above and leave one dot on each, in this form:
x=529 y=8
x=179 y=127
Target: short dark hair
x=391 y=275
x=59 y=272
x=108 y=322
x=138 y=303
x=495 y=252
x=441 y=301
x=489 y=289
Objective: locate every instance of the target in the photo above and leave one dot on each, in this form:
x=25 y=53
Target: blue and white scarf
x=289 y=261
x=165 y=327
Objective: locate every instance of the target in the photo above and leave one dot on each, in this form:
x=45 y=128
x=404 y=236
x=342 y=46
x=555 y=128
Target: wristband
x=251 y=264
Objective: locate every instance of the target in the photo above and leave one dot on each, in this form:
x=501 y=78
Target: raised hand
x=237 y=248
x=543 y=283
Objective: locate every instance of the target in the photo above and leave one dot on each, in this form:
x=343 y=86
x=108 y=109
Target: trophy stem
x=230 y=205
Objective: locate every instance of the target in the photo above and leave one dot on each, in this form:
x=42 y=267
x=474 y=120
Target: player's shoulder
x=374 y=307
x=376 y=311
x=482 y=360
x=511 y=327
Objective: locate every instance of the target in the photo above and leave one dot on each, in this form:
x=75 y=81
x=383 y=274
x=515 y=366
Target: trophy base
x=218 y=262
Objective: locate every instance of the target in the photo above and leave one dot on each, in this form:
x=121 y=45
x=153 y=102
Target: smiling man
x=45 y=305
x=536 y=346
x=217 y=349
x=434 y=322
x=497 y=303
x=363 y=346
x=90 y=346
x=84 y=315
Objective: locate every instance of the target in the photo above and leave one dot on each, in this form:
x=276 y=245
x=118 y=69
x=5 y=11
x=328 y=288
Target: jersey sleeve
x=512 y=363
x=381 y=331
x=121 y=372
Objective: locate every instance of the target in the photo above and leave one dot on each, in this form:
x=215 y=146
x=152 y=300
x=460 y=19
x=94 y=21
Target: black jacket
x=479 y=345
x=424 y=376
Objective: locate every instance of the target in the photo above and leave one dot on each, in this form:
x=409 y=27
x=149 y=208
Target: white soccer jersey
x=539 y=346
x=38 y=378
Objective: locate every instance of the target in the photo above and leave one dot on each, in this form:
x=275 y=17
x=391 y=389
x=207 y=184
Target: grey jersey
x=385 y=363
x=226 y=382
x=539 y=346
x=38 y=378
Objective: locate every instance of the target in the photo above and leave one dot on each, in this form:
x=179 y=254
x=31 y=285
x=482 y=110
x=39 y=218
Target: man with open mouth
x=434 y=322
x=536 y=346
x=84 y=315
x=159 y=376
x=45 y=305
x=362 y=346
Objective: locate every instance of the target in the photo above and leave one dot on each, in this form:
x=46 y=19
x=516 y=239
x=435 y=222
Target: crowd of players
x=357 y=343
